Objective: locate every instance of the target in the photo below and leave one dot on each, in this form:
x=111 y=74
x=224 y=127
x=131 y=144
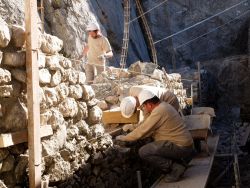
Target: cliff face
x=68 y=20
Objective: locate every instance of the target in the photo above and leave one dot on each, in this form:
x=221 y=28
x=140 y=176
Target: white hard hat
x=128 y=105
x=145 y=95
x=93 y=26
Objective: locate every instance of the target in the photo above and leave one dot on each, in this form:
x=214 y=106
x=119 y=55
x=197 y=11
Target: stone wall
x=66 y=103
x=79 y=153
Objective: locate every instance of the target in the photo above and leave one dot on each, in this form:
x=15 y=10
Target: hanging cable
x=149 y=10
x=190 y=41
x=198 y=23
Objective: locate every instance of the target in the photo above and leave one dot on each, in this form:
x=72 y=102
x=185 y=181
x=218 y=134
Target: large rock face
x=179 y=15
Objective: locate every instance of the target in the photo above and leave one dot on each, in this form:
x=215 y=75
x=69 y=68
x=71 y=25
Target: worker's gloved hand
x=102 y=57
x=128 y=127
x=120 y=138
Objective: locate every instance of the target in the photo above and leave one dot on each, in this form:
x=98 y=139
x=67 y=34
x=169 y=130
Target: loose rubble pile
x=79 y=152
x=114 y=84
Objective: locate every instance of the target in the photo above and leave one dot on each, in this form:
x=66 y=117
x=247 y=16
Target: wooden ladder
x=41 y=9
x=148 y=32
x=125 y=40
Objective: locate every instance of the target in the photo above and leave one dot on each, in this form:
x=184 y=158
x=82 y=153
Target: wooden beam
x=10 y=139
x=116 y=117
x=34 y=139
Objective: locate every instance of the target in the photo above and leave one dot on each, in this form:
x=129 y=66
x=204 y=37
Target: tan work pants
x=92 y=71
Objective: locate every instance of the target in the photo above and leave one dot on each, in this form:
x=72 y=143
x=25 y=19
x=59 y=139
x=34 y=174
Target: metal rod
x=139 y=178
x=236 y=171
x=199 y=74
x=236 y=162
x=221 y=174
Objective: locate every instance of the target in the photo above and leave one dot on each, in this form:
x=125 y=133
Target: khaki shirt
x=164 y=123
x=161 y=93
x=97 y=47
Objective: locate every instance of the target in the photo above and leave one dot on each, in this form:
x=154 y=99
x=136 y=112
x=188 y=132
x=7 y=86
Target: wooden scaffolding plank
x=34 y=139
x=197 y=174
x=10 y=139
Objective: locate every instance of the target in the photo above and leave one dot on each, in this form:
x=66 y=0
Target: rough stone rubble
x=72 y=108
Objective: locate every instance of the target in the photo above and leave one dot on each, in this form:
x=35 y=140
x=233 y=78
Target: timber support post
x=34 y=141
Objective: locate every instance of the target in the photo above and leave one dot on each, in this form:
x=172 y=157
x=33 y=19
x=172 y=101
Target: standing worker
x=172 y=147
x=129 y=104
x=97 y=50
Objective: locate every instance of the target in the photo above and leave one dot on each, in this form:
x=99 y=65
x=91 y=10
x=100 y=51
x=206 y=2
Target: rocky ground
x=226 y=124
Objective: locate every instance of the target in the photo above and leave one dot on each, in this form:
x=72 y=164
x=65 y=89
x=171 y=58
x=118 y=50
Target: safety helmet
x=92 y=26
x=128 y=105
x=145 y=95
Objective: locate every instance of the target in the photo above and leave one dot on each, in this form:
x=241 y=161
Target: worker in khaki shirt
x=172 y=147
x=97 y=50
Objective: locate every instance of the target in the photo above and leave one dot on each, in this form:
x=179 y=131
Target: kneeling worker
x=172 y=147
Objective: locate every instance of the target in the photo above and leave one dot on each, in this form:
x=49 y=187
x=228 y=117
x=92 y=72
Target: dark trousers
x=161 y=154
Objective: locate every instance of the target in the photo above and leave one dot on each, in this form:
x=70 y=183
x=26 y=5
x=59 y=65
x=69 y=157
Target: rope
x=198 y=23
x=148 y=11
x=190 y=41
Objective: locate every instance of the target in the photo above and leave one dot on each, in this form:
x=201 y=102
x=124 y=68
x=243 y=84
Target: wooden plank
x=10 y=139
x=197 y=174
x=34 y=139
x=116 y=117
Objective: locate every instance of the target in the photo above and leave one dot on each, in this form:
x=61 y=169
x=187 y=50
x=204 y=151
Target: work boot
x=176 y=173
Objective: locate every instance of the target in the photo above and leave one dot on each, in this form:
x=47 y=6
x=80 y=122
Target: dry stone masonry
x=66 y=103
